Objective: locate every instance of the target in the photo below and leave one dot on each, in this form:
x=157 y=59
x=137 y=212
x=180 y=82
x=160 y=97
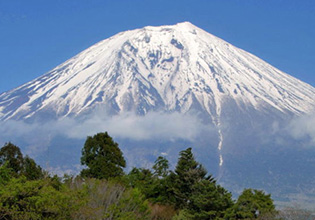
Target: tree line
x=104 y=191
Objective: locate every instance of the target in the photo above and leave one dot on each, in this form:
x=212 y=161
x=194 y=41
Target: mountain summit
x=166 y=68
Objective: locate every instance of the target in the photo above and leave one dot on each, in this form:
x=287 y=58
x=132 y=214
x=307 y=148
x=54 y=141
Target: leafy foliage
x=11 y=154
x=103 y=157
x=31 y=170
x=209 y=201
x=187 y=193
x=250 y=205
x=189 y=188
x=12 y=157
x=103 y=199
x=131 y=206
x=160 y=167
x=142 y=179
x=37 y=199
x=5 y=174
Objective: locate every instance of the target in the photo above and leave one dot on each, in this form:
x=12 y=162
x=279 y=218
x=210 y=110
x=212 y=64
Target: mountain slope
x=169 y=68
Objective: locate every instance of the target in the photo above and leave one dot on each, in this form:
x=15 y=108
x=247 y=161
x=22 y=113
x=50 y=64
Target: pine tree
x=188 y=171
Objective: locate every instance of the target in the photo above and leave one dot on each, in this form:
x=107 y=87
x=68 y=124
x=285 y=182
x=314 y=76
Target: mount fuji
x=170 y=68
x=250 y=123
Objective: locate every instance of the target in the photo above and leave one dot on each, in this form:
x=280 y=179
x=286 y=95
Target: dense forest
x=104 y=191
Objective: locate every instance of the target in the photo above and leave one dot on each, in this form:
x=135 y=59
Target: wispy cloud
x=154 y=125
x=35 y=138
x=303 y=128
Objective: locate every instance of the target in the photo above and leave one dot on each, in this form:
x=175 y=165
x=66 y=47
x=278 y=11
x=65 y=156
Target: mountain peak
x=186 y=24
x=169 y=68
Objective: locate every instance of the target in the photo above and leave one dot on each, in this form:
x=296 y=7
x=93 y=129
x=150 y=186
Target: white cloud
x=154 y=125
x=303 y=128
x=38 y=139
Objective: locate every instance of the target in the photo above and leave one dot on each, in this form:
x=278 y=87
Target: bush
x=37 y=199
x=107 y=199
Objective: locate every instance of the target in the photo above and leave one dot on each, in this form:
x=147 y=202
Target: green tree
x=187 y=172
x=131 y=206
x=107 y=199
x=103 y=157
x=11 y=154
x=39 y=199
x=160 y=167
x=5 y=174
x=251 y=204
x=143 y=180
x=209 y=201
x=183 y=215
x=187 y=167
x=163 y=182
x=31 y=170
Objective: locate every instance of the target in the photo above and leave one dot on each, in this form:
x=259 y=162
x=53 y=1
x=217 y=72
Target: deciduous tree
x=31 y=170
x=251 y=204
x=103 y=157
x=160 y=167
x=11 y=154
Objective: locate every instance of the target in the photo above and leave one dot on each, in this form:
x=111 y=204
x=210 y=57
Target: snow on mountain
x=167 y=68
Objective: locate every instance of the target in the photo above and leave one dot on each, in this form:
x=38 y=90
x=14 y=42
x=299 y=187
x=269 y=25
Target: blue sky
x=36 y=35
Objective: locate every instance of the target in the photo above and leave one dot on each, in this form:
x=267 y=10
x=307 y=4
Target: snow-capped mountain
x=169 y=68
x=246 y=105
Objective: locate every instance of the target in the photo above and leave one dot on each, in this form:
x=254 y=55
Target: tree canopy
x=251 y=204
x=102 y=156
x=12 y=157
x=11 y=154
x=103 y=191
x=160 y=167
